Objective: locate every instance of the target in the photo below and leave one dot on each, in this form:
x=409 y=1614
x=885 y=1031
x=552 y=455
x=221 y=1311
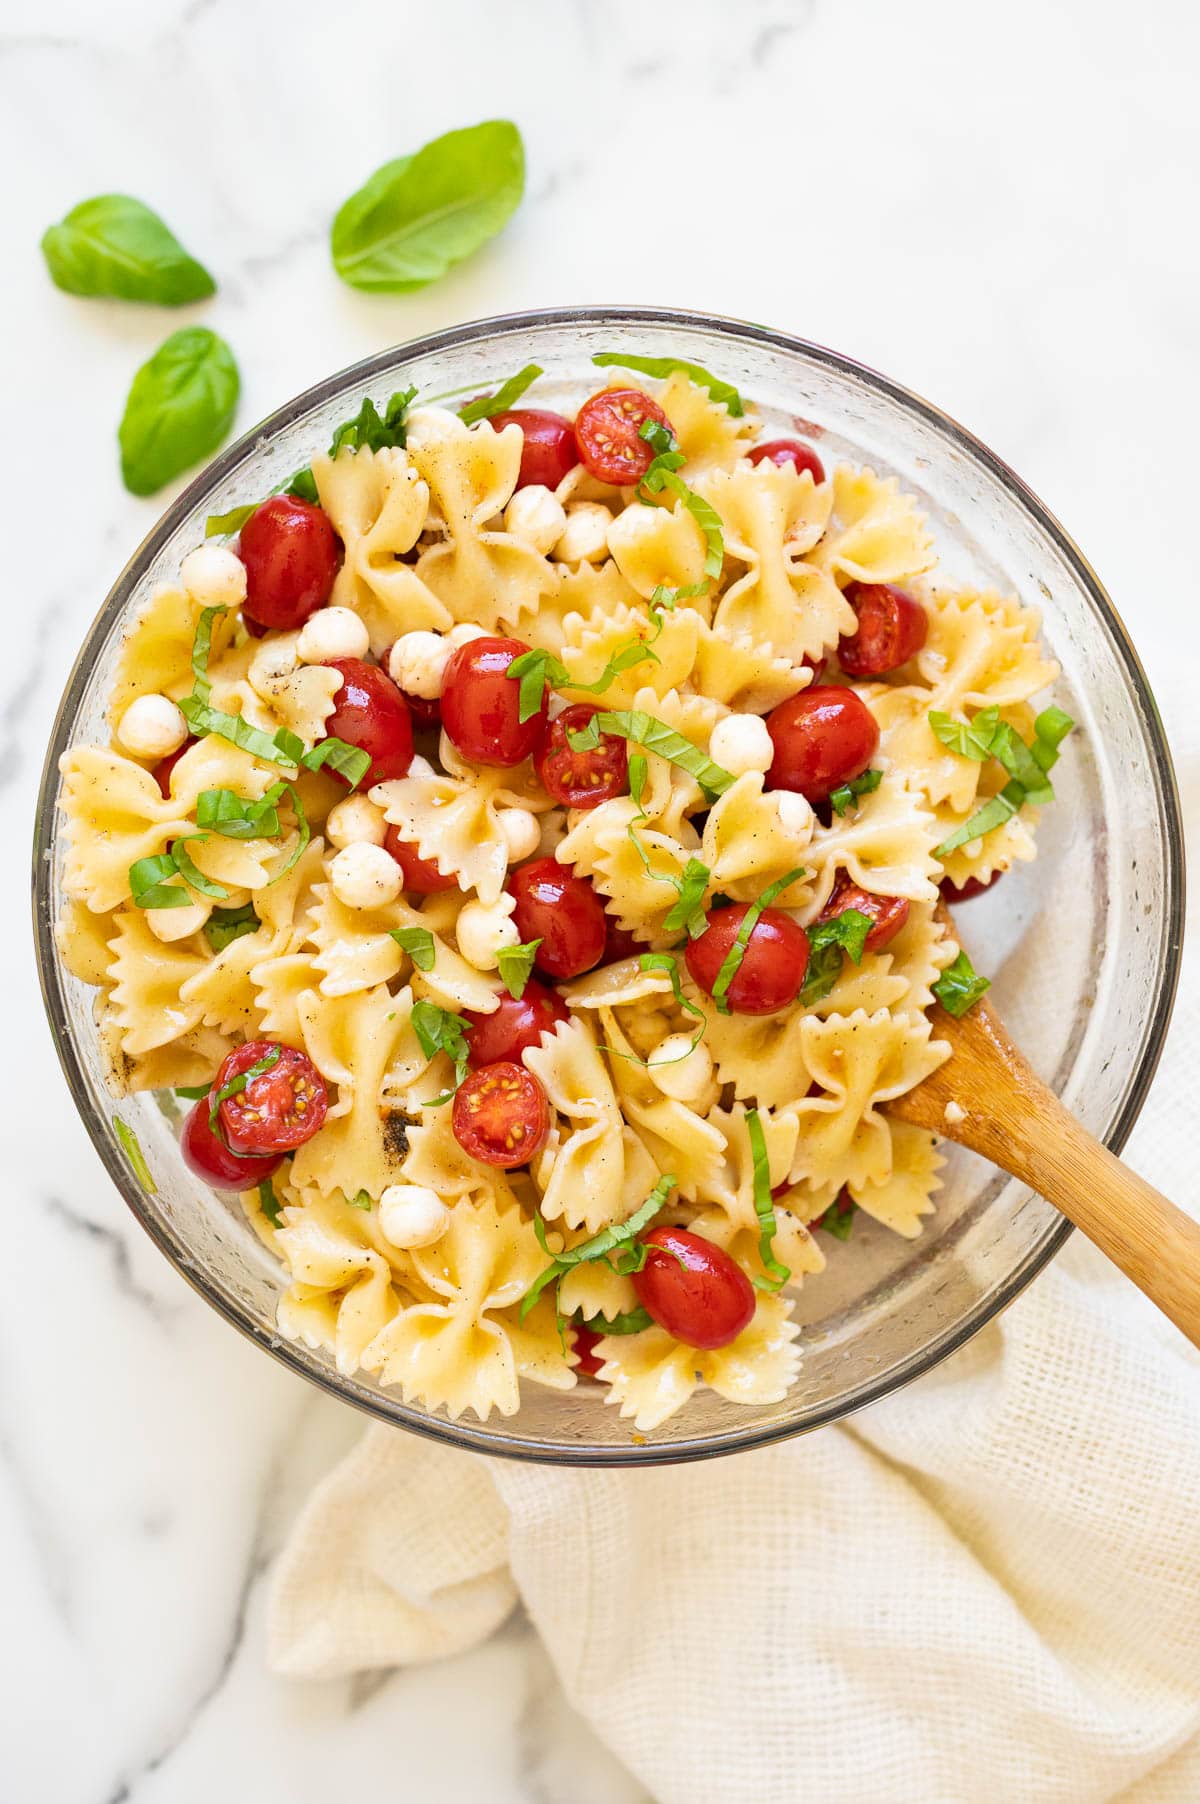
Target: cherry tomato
x=162 y=770
x=822 y=738
x=891 y=630
x=564 y=912
x=782 y=451
x=773 y=964
x=507 y=1031
x=279 y=1109
x=549 y=450
x=619 y=943
x=501 y=1115
x=586 y=1341
x=210 y=1159
x=370 y=712
x=581 y=779
x=693 y=1289
x=421 y=875
x=290 y=551
x=481 y=704
x=889 y=913
x=607 y=430
x=974 y=886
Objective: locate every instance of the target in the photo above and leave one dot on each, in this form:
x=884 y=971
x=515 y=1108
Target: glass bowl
x=1083 y=946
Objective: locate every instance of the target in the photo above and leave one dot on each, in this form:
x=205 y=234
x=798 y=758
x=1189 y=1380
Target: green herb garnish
x=349 y=761
x=959 y=987
x=204 y=720
x=181 y=404
x=418 y=215
x=737 y=952
x=361 y=1200
x=629 y=1321
x=687 y=913
x=838 y=1219
x=1027 y=764
x=225 y=525
x=764 y=1207
x=233 y=816
x=827 y=941
x=843 y=798
x=269 y=1203
x=369 y=430
x=662 y=367
x=418 y=943
x=617 y=1239
x=485 y=407
x=224 y=925
x=115 y=246
x=438 y=1030
x=534 y=669
x=656 y=736
x=516 y=966
x=135 y=1155
x=216 y=892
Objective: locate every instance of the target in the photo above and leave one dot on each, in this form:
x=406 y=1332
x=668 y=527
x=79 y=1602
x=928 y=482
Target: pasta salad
x=518 y=847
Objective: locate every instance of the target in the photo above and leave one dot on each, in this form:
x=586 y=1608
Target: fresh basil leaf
x=418 y=943
x=600 y=1246
x=968 y=738
x=150 y=883
x=192 y=1092
x=959 y=987
x=843 y=798
x=114 y=245
x=237 y=1084
x=532 y=670
x=486 y=407
x=657 y=737
x=224 y=925
x=135 y=1155
x=706 y=517
x=737 y=952
x=360 y=1200
x=369 y=430
x=630 y=1321
x=663 y=443
x=438 y=1030
x=1020 y=763
x=181 y=404
x=687 y=913
x=1027 y=766
x=764 y=1207
x=828 y=941
x=238 y=817
x=303 y=833
x=204 y=720
x=303 y=486
x=349 y=761
x=838 y=1219
x=268 y=1202
x=419 y=215
x=1049 y=730
x=638 y=770
x=586 y=738
x=993 y=814
x=225 y=525
x=191 y=874
x=201 y=651
x=721 y=391
x=516 y=966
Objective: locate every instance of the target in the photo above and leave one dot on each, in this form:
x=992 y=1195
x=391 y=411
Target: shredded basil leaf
x=656 y=736
x=828 y=940
x=993 y=814
x=303 y=487
x=268 y=1202
x=601 y=1246
x=516 y=966
x=1027 y=765
x=135 y=1155
x=192 y=1092
x=534 y=669
x=237 y=1084
x=638 y=771
x=737 y=952
x=349 y=761
x=485 y=407
x=225 y=525
x=216 y=892
x=150 y=885
x=224 y=925
x=361 y=1200
x=687 y=913
x=204 y=720
x=201 y=651
x=630 y=1321
x=764 y=1207
x=371 y=431
x=959 y=987
x=967 y=738
x=438 y=1030
x=843 y=798
x=721 y=391
x=838 y=1219
x=233 y=816
x=418 y=943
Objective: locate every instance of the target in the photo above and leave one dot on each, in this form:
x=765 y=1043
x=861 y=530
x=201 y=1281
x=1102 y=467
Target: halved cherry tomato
x=208 y=1156
x=772 y=967
x=822 y=738
x=501 y=1115
x=889 y=913
x=564 y=912
x=607 y=434
x=421 y=875
x=279 y=1109
x=549 y=450
x=515 y=1025
x=291 y=553
x=581 y=779
x=974 y=886
x=891 y=629
x=782 y=451
x=162 y=770
x=370 y=712
x=481 y=703
x=586 y=1341
x=693 y=1289
x=619 y=942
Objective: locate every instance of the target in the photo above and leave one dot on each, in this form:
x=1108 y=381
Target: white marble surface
x=995 y=205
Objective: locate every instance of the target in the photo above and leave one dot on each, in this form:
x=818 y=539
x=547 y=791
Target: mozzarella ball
x=332 y=633
x=355 y=822
x=522 y=830
x=152 y=727
x=463 y=635
x=585 y=536
x=483 y=931
x=169 y=924
x=679 y=1073
x=430 y=426
x=214 y=576
x=365 y=876
x=741 y=743
x=412 y=1216
x=536 y=516
x=795 y=814
x=417 y=663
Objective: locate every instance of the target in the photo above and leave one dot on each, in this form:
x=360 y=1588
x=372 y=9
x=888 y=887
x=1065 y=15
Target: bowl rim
x=478 y=1437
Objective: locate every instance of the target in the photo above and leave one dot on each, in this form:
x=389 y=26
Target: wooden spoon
x=1015 y=1121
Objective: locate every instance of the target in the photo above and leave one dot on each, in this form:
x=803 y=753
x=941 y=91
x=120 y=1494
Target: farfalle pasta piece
x=480 y=574
x=762 y=1056
x=378 y=503
x=884 y=843
x=148 y=979
x=191 y=1059
x=297 y=696
x=876 y=533
x=454 y=1352
x=589 y=646
x=902 y=1199
x=454 y=820
x=84 y=942
x=710 y=437
x=749 y=842
x=650 y=1375
x=677 y=1139
x=599 y=846
x=591 y=1163
x=345 y=1290
x=743 y=675
x=156 y=651
x=615 y=985
x=353 y=948
x=658 y=547
x=115 y=815
x=582 y=595
x=594 y=1288
x=859 y=1062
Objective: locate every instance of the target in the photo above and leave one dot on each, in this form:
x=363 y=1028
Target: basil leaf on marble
x=115 y=246
x=181 y=404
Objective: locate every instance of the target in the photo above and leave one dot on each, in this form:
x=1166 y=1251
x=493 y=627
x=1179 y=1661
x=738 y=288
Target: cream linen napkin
x=986 y=1588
